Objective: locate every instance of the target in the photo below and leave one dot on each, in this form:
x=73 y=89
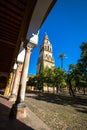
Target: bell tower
x=45 y=56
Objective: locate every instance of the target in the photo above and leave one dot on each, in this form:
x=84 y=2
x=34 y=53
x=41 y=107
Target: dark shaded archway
x=3 y=81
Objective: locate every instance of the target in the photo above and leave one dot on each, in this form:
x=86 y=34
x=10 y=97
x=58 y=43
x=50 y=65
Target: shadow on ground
x=12 y=124
x=78 y=102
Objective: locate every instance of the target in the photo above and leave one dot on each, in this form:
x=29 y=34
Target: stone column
x=7 y=90
x=16 y=82
x=25 y=73
x=11 y=87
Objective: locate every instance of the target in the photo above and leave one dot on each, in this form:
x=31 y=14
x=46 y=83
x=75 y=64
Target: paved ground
x=32 y=122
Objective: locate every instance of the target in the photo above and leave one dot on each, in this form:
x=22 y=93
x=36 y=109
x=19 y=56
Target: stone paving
x=32 y=122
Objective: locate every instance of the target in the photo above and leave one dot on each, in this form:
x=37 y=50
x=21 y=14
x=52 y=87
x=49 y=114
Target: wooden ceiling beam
x=12 y=8
x=6 y=42
x=9 y=19
x=8 y=33
x=10 y=13
x=9 y=38
x=18 y=4
x=8 y=30
x=11 y=26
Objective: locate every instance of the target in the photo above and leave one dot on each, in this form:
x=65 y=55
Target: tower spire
x=46 y=36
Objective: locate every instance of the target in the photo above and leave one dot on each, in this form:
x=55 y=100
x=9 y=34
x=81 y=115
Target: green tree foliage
x=40 y=81
x=54 y=77
x=82 y=65
x=72 y=78
x=59 y=77
x=48 y=76
x=31 y=81
x=77 y=74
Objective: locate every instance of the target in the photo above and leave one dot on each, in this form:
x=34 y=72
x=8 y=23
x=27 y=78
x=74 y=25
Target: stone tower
x=45 y=57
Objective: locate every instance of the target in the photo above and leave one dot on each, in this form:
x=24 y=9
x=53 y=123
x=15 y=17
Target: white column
x=25 y=72
x=29 y=45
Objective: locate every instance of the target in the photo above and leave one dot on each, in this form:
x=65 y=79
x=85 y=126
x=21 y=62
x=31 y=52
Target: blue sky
x=66 y=26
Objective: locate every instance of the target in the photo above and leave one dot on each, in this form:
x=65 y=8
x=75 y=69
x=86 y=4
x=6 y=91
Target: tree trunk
x=71 y=92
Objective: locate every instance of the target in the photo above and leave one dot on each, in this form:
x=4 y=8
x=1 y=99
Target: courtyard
x=59 y=112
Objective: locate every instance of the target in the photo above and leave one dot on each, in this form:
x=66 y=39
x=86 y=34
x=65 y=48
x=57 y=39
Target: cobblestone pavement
x=32 y=122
